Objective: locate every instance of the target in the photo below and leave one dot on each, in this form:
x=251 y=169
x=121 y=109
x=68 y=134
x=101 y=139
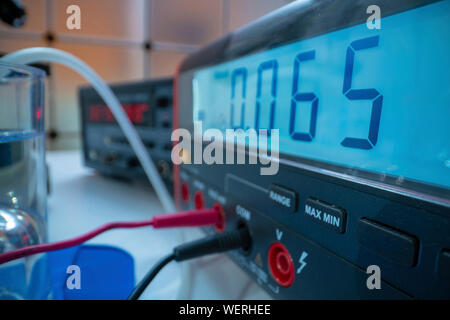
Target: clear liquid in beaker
x=23 y=191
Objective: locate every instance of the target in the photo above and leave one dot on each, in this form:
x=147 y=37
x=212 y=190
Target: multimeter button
x=283 y=197
x=326 y=214
x=393 y=245
x=444 y=267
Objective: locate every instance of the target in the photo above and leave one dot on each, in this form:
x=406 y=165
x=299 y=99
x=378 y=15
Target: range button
x=283 y=197
x=326 y=214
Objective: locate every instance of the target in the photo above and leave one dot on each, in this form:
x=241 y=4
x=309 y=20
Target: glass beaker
x=23 y=180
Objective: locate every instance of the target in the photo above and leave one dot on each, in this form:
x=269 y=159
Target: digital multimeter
x=363 y=187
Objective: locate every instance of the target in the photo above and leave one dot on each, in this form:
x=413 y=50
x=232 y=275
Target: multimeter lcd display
x=372 y=99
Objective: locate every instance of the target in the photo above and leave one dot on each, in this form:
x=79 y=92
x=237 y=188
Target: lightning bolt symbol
x=302 y=262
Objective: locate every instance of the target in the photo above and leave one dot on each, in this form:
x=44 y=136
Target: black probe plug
x=229 y=240
x=235 y=239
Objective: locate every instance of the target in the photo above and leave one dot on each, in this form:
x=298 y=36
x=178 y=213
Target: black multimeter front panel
x=362 y=114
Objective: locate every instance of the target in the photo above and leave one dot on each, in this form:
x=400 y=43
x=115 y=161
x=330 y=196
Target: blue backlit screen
x=377 y=100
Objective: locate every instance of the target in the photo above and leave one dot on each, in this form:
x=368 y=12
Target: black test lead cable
x=236 y=239
x=150 y=276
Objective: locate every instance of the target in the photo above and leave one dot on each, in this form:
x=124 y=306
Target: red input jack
x=281 y=265
x=185 y=192
x=220 y=225
x=199 y=200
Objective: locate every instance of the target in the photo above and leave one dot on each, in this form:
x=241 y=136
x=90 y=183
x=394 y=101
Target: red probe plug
x=189 y=218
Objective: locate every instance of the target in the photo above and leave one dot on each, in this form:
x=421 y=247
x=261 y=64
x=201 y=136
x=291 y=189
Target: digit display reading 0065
x=376 y=100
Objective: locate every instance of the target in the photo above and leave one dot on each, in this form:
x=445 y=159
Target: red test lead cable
x=188 y=218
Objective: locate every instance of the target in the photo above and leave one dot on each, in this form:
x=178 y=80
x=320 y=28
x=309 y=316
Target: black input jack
x=133 y=162
x=149 y=144
x=168 y=147
x=242 y=225
x=166 y=124
x=163 y=102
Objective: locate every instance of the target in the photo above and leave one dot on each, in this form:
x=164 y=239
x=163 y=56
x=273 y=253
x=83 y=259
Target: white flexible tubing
x=33 y=55
x=41 y=54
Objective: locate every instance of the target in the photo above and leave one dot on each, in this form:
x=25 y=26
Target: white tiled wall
x=164 y=63
x=112 y=38
x=112 y=63
x=118 y=19
x=180 y=21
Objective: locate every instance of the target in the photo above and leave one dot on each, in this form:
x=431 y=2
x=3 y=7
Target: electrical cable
x=230 y=240
x=150 y=276
x=38 y=54
x=189 y=218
